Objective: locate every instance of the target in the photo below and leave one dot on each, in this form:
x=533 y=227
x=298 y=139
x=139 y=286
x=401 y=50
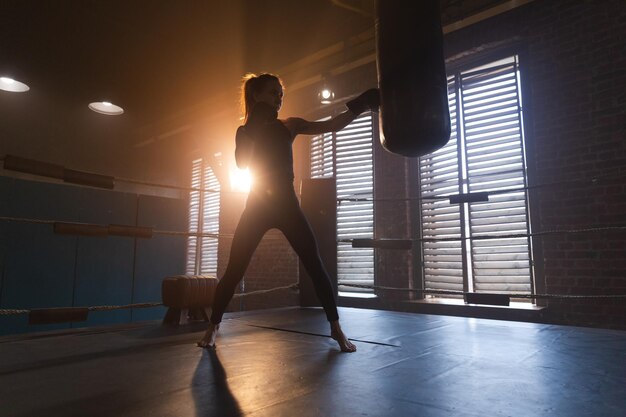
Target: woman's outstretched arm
x=305 y=127
x=367 y=100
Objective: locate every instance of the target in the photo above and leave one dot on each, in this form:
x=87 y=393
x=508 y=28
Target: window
x=485 y=154
x=348 y=156
x=204 y=217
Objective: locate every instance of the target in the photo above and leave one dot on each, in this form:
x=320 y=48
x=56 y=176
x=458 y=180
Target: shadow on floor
x=210 y=390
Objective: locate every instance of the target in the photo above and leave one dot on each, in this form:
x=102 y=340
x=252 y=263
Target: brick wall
x=574 y=76
x=393 y=220
x=274 y=264
x=574 y=80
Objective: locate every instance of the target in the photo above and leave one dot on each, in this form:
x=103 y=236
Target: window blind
x=204 y=210
x=350 y=160
x=485 y=153
x=210 y=223
x=194 y=217
x=440 y=175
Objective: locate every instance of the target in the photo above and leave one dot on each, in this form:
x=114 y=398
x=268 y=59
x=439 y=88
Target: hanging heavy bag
x=414 y=114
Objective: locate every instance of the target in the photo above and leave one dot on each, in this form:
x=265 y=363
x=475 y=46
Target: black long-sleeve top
x=264 y=144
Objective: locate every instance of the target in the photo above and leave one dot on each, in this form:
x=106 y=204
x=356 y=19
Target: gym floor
x=281 y=363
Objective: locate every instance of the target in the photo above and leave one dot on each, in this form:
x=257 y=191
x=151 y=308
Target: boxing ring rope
x=9 y=312
x=489 y=237
x=467 y=197
x=98 y=180
x=512 y=295
x=45 y=169
x=91 y=229
x=103 y=181
x=295 y=287
x=175 y=187
x=88 y=229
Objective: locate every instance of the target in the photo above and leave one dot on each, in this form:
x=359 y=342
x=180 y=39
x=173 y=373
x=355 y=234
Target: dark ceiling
x=146 y=58
x=159 y=59
x=155 y=58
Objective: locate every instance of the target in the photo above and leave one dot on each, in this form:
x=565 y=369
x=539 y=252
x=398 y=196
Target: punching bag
x=414 y=113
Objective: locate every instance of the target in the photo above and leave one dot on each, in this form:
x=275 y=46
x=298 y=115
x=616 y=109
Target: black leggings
x=267 y=209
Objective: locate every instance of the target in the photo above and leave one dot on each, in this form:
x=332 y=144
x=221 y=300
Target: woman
x=263 y=144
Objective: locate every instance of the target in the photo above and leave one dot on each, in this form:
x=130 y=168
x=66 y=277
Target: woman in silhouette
x=264 y=145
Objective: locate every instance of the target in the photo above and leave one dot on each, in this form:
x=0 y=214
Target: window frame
x=333 y=143
x=196 y=260
x=454 y=69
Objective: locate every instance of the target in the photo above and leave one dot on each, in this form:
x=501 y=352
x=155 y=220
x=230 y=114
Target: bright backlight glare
x=240 y=180
x=326 y=94
x=14 y=86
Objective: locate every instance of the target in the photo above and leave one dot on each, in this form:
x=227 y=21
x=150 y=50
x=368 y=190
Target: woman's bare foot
x=208 y=341
x=337 y=334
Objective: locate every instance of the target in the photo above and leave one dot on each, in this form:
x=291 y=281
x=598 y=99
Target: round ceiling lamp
x=105 y=107
x=326 y=95
x=14 y=86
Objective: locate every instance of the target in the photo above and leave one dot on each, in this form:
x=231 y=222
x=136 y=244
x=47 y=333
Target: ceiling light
x=105 y=107
x=14 y=86
x=326 y=96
